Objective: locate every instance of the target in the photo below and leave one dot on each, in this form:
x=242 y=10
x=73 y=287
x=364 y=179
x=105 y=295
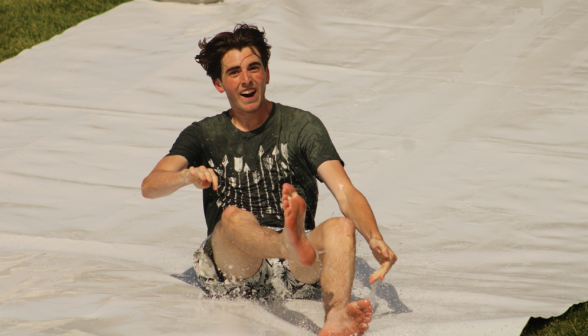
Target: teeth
x=248 y=91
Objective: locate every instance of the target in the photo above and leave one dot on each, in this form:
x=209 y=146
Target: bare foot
x=350 y=320
x=298 y=248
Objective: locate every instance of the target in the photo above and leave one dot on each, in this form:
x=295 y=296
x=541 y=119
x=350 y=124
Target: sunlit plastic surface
x=463 y=122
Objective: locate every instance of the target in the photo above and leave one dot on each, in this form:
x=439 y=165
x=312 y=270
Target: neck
x=251 y=121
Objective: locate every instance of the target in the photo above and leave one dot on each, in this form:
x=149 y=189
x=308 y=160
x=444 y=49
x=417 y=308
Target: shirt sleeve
x=317 y=145
x=188 y=145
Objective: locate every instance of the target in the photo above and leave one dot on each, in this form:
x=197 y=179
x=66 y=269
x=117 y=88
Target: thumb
x=385 y=253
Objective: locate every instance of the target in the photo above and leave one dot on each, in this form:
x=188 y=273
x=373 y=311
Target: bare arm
x=356 y=207
x=171 y=173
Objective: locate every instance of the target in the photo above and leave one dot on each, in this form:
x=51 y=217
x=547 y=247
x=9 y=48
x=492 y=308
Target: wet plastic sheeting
x=463 y=122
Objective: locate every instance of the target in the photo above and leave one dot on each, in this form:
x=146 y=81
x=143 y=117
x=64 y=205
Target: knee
x=230 y=214
x=342 y=230
x=347 y=227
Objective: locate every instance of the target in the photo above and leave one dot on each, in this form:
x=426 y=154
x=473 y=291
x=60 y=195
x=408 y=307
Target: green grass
x=25 y=23
x=573 y=322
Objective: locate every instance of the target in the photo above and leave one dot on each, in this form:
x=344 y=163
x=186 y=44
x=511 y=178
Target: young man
x=257 y=164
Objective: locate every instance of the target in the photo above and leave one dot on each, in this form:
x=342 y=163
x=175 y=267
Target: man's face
x=243 y=78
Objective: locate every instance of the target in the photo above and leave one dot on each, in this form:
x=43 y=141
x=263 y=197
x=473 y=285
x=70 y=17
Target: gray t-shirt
x=252 y=166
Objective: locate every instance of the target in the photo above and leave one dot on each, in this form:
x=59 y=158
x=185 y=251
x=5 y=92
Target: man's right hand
x=172 y=173
x=201 y=177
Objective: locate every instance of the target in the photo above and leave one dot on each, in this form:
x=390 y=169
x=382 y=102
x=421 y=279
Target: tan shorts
x=273 y=280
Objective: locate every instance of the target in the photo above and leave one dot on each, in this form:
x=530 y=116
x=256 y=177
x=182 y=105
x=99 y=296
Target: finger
x=374 y=277
x=214 y=179
x=190 y=175
x=205 y=174
x=195 y=176
x=203 y=179
x=381 y=273
x=208 y=176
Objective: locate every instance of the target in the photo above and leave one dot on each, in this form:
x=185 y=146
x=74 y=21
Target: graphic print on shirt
x=246 y=170
x=286 y=166
x=256 y=179
x=239 y=168
x=254 y=186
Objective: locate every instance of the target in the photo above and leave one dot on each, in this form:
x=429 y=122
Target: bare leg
x=240 y=244
x=335 y=242
x=232 y=241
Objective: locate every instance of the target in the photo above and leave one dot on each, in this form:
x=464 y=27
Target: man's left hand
x=384 y=255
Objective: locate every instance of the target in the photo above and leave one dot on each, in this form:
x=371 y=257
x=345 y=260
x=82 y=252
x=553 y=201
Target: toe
x=354 y=310
x=364 y=305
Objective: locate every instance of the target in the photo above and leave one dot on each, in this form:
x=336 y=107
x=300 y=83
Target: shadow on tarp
x=384 y=291
x=275 y=306
x=536 y=324
x=278 y=308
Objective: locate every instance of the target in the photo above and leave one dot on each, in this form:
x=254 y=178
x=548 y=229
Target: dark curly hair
x=243 y=36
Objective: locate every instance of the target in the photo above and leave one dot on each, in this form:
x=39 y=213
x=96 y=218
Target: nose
x=245 y=77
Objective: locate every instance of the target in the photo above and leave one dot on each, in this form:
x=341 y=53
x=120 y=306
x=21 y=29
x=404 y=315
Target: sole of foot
x=297 y=245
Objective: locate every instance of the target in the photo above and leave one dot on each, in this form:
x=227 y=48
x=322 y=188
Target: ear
x=267 y=79
x=218 y=85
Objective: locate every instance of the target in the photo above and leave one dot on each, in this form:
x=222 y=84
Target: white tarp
x=463 y=122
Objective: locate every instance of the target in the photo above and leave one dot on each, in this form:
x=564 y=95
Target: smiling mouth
x=248 y=93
